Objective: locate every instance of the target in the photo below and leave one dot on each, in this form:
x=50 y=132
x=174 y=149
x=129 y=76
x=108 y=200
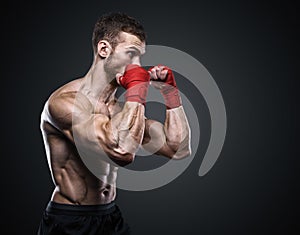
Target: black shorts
x=61 y=219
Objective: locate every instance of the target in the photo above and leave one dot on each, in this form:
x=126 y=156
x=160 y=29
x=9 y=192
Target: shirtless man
x=88 y=135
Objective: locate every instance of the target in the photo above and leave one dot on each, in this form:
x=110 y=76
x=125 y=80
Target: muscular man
x=88 y=135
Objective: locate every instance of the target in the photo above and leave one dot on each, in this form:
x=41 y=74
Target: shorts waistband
x=68 y=209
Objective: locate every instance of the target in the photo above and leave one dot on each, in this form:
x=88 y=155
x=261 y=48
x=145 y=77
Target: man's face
x=128 y=51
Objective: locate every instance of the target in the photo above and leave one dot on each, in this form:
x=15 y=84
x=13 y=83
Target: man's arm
x=94 y=133
x=173 y=138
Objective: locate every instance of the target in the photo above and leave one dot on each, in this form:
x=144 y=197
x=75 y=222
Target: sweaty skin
x=83 y=121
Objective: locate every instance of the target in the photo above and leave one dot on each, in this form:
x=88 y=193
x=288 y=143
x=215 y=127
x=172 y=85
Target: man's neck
x=97 y=85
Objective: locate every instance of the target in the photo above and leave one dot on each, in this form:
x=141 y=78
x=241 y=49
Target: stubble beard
x=109 y=67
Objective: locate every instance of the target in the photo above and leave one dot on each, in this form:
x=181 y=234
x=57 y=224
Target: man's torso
x=75 y=184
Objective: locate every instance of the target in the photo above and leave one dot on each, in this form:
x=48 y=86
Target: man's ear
x=104 y=48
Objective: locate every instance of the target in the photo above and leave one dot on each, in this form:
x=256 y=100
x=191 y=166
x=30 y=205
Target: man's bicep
x=95 y=133
x=155 y=139
x=74 y=117
x=97 y=137
x=91 y=133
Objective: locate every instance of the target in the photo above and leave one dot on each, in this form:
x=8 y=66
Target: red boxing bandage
x=136 y=82
x=170 y=91
x=171 y=96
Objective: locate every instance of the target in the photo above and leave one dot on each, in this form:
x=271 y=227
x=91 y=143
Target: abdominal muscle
x=74 y=182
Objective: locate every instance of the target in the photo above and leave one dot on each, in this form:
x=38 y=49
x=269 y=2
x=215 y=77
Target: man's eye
x=131 y=54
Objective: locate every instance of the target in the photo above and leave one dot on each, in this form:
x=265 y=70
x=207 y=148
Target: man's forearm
x=128 y=127
x=177 y=132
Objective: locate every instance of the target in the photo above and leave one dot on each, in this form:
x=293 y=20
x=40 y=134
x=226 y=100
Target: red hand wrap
x=170 y=91
x=136 y=82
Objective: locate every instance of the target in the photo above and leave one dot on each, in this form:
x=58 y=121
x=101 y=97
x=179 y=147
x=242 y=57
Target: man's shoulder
x=60 y=103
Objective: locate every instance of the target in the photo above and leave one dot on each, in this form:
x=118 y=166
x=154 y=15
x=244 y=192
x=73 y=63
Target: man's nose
x=136 y=60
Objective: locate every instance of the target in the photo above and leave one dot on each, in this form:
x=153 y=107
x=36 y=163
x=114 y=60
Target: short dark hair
x=110 y=25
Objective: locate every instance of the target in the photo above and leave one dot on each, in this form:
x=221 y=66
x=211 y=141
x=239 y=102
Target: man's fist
x=162 y=73
x=133 y=75
x=136 y=81
x=163 y=79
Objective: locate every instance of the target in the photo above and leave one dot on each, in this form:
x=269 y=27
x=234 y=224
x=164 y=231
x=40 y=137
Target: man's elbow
x=181 y=149
x=124 y=159
x=182 y=154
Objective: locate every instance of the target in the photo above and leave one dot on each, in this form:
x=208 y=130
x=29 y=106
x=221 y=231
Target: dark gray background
x=252 y=51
